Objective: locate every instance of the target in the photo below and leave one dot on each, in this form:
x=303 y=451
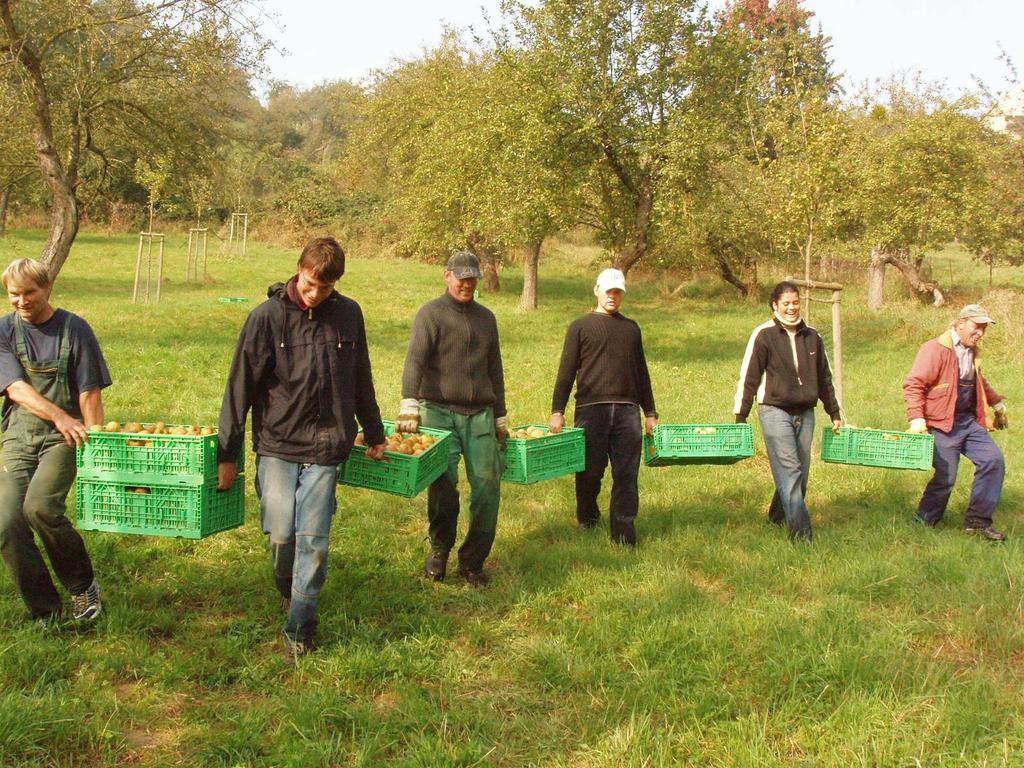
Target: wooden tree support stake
x=197 y=243
x=146 y=244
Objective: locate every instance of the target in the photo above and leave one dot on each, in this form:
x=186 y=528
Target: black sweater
x=454 y=358
x=769 y=374
x=604 y=354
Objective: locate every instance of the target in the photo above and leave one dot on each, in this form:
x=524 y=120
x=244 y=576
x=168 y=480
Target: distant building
x=1007 y=116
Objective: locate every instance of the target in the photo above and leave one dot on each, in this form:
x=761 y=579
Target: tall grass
x=716 y=643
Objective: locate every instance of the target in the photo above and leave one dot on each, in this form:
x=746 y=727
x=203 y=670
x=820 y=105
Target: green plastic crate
x=698 y=444
x=542 y=458
x=399 y=474
x=877 y=448
x=128 y=457
x=187 y=512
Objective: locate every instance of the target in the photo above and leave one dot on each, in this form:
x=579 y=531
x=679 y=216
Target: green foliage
x=715 y=644
x=761 y=165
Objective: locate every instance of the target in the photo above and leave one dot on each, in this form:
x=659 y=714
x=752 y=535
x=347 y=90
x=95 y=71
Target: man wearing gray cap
x=947 y=396
x=453 y=379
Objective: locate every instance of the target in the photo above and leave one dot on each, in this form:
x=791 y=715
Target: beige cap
x=975 y=312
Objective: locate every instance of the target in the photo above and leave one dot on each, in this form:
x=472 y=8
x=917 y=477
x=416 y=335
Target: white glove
x=1002 y=422
x=408 y=420
x=918 y=426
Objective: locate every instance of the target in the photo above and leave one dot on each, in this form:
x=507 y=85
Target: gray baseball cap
x=463 y=265
x=975 y=312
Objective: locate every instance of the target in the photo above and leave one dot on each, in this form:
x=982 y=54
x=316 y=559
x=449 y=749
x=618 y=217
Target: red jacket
x=930 y=388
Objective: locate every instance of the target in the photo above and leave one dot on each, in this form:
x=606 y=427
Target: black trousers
x=611 y=431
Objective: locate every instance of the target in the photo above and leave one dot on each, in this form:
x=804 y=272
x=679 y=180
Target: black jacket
x=306 y=376
x=768 y=371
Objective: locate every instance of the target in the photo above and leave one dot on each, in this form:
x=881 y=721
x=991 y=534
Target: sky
x=953 y=41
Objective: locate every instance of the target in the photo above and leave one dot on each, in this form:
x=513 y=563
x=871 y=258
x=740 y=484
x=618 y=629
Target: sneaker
x=475 y=579
x=296 y=649
x=87 y=605
x=436 y=566
x=988 y=532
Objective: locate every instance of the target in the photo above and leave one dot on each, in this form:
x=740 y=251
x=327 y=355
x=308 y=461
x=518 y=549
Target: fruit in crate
x=158 y=428
x=528 y=433
x=408 y=443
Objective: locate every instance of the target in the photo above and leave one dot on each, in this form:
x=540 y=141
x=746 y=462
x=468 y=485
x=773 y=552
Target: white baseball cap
x=611 y=278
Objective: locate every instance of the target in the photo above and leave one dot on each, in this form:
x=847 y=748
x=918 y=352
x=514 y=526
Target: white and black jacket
x=769 y=372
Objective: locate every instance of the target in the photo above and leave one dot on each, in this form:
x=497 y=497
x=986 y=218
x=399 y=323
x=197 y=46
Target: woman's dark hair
x=786 y=286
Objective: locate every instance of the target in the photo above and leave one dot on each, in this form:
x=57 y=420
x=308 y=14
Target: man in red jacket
x=947 y=396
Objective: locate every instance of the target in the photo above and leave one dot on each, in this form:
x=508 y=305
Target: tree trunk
x=64 y=218
x=876 y=280
x=488 y=261
x=911 y=273
x=638 y=243
x=726 y=271
x=5 y=198
x=531 y=257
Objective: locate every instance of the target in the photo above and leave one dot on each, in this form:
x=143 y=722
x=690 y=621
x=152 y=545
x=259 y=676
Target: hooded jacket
x=305 y=373
x=930 y=389
x=769 y=373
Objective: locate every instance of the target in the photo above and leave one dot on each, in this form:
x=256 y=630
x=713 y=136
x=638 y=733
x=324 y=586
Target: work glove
x=408 y=415
x=918 y=427
x=501 y=430
x=1002 y=422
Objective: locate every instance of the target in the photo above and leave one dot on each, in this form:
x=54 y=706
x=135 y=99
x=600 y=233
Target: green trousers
x=473 y=439
x=36 y=473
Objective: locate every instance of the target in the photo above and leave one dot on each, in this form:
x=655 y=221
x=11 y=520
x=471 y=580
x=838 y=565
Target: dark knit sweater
x=605 y=356
x=454 y=358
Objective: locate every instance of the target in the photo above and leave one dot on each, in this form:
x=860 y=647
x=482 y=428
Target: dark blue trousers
x=610 y=431
x=972 y=440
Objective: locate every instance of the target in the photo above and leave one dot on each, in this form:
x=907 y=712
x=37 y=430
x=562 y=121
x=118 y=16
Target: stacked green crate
x=155 y=485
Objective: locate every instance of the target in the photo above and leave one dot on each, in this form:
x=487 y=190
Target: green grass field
x=716 y=643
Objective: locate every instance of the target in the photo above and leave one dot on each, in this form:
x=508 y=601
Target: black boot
x=436 y=565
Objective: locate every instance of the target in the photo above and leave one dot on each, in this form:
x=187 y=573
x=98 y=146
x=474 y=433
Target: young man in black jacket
x=303 y=366
x=604 y=354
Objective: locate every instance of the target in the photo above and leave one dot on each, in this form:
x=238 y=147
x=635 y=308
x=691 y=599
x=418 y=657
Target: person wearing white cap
x=604 y=354
x=947 y=396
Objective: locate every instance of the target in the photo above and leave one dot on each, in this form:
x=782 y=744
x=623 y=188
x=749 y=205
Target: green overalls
x=37 y=469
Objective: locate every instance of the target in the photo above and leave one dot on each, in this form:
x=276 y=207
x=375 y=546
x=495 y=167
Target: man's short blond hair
x=21 y=271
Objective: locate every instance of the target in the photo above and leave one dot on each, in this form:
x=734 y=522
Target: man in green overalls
x=52 y=373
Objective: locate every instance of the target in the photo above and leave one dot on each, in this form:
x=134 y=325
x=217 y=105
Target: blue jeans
x=787 y=439
x=610 y=431
x=973 y=441
x=297 y=505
